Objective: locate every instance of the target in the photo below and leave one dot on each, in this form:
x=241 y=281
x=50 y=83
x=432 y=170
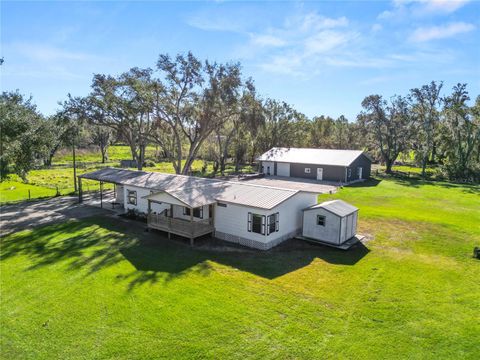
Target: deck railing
x=190 y=229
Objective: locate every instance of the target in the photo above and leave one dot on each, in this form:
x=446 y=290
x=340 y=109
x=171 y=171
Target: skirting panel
x=254 y=243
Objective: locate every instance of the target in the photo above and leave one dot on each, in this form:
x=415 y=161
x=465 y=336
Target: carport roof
x=337 y=207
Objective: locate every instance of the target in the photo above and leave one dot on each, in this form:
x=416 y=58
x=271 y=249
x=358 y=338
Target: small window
x=321 y=220
x=222 y=204
x=197 y=212
x=307 y=170
x=272 y=223
x=132 y=197
x=256 y=223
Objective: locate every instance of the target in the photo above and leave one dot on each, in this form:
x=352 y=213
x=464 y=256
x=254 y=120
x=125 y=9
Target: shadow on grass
x=86 y=246
x=367 y=183
x=417 y=182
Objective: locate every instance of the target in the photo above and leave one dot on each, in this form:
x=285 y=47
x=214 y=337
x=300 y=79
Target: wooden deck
x=179 y=226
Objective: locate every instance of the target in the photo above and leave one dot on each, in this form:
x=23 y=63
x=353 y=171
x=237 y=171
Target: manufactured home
x=340 y=166
x=252 y=215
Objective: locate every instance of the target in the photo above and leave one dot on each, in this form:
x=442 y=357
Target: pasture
x=103 y=288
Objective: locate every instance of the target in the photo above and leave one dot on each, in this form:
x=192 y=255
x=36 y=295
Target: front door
x=319 y=173
x=360 y=172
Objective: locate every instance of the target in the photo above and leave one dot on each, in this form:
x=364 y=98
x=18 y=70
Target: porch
x=182 y=227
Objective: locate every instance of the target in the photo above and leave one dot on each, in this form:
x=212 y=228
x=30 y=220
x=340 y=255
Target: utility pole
x=74 y=165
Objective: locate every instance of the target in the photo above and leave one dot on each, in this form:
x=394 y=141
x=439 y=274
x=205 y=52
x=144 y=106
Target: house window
x=197 y=212
x=272 y=223
x=221 y=204
x=307 y=170
x=132 y=197
x=256 y=223
x=321 y=220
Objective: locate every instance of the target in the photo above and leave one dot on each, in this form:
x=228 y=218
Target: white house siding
x=328 y=233
x=119 y=195
x=142 y=204
x=231 y=222
x=283 y=169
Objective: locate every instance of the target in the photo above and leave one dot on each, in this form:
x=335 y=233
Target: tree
x=463 y=133
x=102 y=137
x=192 y=100
x=387 y=126
x=341 y=133
x=24 y=140
x=125 y=104
x=322 y=132
x=425 y=109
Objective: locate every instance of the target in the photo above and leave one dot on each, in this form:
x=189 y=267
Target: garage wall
x=265 y=165
x=330 y=173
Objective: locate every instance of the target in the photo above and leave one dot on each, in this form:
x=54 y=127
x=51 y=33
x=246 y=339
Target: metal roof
x=338 y=207
x=194 y=191
x=311 y=156
x=144 y=179
x=241 y=194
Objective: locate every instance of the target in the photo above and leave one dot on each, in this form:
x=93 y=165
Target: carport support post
x=191 y=222
x=149 y=212
x=80 y=191
x=101 y=194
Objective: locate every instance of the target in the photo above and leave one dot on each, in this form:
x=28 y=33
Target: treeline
x=197 y=109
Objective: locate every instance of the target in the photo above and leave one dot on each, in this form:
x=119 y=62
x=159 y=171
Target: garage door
x=283 y=169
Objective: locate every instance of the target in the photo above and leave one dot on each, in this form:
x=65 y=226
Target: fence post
x=29 y=197
x=58 y=193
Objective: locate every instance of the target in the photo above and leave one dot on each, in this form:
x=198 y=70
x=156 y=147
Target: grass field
x=99 y=288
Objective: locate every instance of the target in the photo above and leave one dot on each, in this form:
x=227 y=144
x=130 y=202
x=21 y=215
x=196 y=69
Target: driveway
x=17 y=217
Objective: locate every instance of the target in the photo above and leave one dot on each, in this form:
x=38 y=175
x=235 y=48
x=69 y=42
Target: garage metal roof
x=194 y=191
x=311 y=156
x=337 y=207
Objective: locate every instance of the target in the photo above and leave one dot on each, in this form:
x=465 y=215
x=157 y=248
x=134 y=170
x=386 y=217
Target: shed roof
x=311 y=156
x=194 y=191
x=337 y=207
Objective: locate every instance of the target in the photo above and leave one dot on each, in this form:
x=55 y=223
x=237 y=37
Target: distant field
x=115 y=154
x=101 y=288
x=44 y=182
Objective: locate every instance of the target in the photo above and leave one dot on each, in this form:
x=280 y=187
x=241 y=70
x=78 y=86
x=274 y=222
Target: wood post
x=191 y=222
x=101 y=194
x=80 y=191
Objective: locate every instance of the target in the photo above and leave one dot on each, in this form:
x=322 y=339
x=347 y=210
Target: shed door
x=319 y=173
x=360 y=173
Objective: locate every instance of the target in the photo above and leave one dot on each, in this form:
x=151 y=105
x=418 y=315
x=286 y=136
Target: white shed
x=332 y=222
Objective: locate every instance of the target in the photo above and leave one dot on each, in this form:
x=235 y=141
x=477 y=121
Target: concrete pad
x=315 y=186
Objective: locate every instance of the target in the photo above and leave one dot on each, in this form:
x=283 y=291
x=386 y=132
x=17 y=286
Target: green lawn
x=102 y=288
